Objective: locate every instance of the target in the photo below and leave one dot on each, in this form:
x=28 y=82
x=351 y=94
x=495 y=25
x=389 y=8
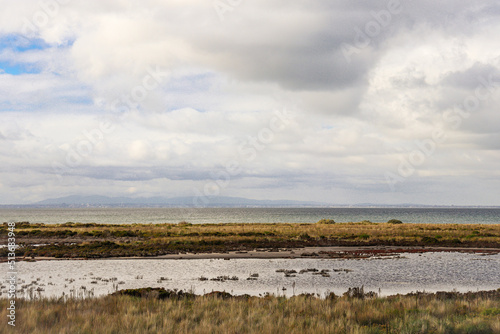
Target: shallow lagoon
x=410 y=272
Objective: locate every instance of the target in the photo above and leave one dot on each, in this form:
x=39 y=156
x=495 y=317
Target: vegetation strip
x=76 y=240
x=171 y=311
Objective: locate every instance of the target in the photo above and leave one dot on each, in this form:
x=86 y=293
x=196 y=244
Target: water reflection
x=410 y=272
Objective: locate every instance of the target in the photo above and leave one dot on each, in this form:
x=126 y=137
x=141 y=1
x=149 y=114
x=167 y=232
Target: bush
x=359 y=293
x=156 y=293
x=124 y=233
x=430 y=240
x=477 y=328
x=326 y=221
x=394 y=221
x=491 y=311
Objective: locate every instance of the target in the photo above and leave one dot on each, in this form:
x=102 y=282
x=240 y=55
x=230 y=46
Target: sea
x=449 y=215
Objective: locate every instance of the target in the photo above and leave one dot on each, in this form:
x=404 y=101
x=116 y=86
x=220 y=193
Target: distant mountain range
x=77 y=201
x=189 y=201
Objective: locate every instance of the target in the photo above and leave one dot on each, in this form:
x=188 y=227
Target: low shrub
x=430 y=240
x=326 y=221
x=156 y=293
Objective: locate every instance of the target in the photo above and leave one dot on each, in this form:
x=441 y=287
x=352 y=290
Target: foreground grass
x=445 y=313
x=71 y=240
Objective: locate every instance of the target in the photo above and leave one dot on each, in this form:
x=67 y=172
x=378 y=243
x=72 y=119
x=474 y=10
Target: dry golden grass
x=300 y=314
x=338 y=230
x=158 y=239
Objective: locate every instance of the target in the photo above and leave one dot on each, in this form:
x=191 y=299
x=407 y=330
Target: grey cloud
x=410 y=79
x=311 y=58
x=296 y=68
x=131 y=173
x=306 y=57
x=486 y=122
x=457 y=16
x=473 y=76
x=340 y=102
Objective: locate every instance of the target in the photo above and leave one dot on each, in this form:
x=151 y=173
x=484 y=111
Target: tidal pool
x=440 y=271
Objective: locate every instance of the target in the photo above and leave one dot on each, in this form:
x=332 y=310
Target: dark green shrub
x=326 y=221
x=359 y=293
x=124 y=233
x=394 y=221
x=477 y=328
x=430 y=240
x=250 y=234
x=68 y=233
x=156 y=293
x=491 y=311
x=97 y=233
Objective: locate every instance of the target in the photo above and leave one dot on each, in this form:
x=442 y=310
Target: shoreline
x=331 y=252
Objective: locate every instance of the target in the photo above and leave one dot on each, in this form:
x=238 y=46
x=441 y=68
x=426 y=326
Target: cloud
x=367 y=83
x=473 y=76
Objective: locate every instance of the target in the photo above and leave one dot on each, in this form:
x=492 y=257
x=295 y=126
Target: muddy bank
x=334 y=252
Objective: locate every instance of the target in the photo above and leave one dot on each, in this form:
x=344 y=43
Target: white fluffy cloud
x=390 y=102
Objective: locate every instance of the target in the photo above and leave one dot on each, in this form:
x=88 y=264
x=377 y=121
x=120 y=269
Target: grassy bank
x=72 y=240
x=220 y=313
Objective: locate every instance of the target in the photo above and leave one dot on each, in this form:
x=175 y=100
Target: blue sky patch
x=17 y=69
x=14 y=44
x=21 y=44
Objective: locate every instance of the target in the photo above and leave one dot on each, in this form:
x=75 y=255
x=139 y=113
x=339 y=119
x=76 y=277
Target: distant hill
x=189 y=201
x=96 y=201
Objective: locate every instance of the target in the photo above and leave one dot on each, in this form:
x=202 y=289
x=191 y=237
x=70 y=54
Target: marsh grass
x=99 y=240
x=218 y=313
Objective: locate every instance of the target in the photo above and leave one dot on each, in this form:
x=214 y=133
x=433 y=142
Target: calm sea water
x=252 y=215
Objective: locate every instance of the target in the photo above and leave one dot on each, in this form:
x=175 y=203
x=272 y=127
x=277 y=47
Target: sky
x=341 y=102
